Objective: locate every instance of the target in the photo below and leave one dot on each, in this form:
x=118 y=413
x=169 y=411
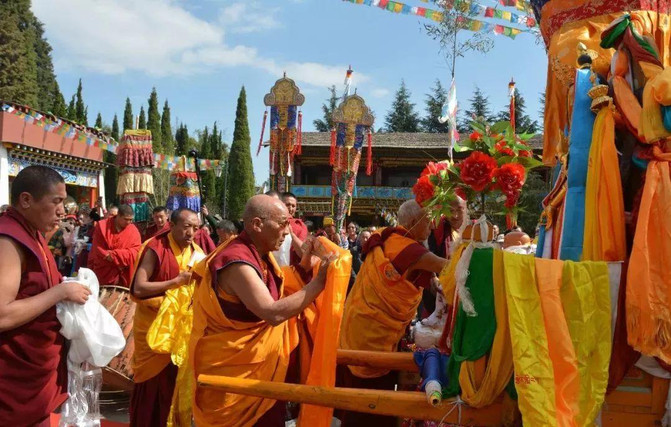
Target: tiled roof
x=400 y=140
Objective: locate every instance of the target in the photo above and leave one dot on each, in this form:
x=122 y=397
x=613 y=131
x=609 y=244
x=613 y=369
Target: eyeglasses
x=282 y=224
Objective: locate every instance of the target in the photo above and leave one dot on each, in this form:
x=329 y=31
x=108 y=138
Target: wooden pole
x=404 y=404
x=377 y=359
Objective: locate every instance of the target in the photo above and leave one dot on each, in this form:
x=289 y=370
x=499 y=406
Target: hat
x=328 y=221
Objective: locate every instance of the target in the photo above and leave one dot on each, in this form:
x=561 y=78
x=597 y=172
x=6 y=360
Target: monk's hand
x=183 y=278
x=323 y=268
x=75 y=292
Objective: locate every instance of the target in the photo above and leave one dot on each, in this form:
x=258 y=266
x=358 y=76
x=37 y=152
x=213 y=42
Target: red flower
x=477 y=170
x=423 y=189
x=434 y=168
x=511 y=200
x=502 y=147
x=461 y=193
x=510 y=178
x=475 y=136
x=525 y=153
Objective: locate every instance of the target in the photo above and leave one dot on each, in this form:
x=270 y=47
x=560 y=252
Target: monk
x=33 y=371
x=160 y=217
x=297 y=230
x=384 y=300
x=116 y=243
x=226 y=230
x=164 y=263
x=240 y=326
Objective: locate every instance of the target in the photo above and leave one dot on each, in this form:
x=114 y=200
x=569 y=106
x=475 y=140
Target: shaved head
x=266 y=222
x=414 y=218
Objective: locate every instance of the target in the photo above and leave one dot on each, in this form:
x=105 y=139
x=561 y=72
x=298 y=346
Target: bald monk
x=33 y=372
x=240 y=326
x=164 y=263
x=116 y=243
x=160 y=217
x=384 y=300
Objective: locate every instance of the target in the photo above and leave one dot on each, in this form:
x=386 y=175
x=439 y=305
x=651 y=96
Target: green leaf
x=500 y=127
x=529 y=162
x=505 y=159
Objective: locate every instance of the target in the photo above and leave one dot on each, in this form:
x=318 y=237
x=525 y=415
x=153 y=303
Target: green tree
x=326 y=124
x=111 y=173
x=240 y=169
x=81 y=109
x=49 y=96
x=166 y=130
x=523 y=123
x=128 y=122
x=99 y=122
x=115 y=128
x=479 y=108
x=142 y=121
x=434 y=107
x=402 y=117
x=154 y=122
x=18 y=59
x=182 y=140
x=71 y=112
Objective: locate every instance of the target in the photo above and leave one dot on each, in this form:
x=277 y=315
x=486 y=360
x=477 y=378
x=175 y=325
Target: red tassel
x=369 y=162
x=263 y=129
x=299 y=136
x=509 y=221
x=333 y=146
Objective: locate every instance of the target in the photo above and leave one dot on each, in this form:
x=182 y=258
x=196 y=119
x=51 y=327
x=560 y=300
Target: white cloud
x=158 y=37
x=249 y=17
x=380 y=92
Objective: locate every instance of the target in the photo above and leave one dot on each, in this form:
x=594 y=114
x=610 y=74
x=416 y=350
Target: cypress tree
x=128 y=122
x=99 y=122
x=18 y=60
x=240 y=169
x=326 y=124
x=49 y=96
x=115 y=128
x=80 y=108
x=402 y=116
x=182 y=140
x=434 y=107
x=111 y=173
x=71 y=112
x=154 y=122
x=523 y=123
x=166 y=130
x=142 y=121
x=479 y=108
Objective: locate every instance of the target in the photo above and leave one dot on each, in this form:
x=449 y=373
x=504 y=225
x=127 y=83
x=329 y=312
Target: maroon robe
x=301 y=231
x=202 y=238
x=33 y=372
x=123 y=246
x=153 y=230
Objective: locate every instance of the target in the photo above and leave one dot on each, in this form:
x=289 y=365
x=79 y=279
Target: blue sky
x=199 y=53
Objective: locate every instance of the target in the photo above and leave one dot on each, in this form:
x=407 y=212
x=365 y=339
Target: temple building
x=398 y=159
x=30 y=137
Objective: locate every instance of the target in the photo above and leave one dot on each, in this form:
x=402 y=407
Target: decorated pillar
x=352 y=122
x=284 y=99
x=135 y=159
x=184 y=190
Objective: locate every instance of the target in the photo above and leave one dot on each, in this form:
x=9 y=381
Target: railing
x=362 y=192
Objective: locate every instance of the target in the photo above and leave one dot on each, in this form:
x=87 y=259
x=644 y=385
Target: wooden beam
x=403 y=404
x=377 y=359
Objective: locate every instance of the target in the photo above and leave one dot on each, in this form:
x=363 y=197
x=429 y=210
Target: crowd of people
x=240 y=308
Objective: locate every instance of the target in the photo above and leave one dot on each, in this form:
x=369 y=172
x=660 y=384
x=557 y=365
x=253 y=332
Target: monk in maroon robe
x=116 y=243
x=297 y=228
x=164 y=263
x=160 y=217
x=203 y=239
x=33 y=372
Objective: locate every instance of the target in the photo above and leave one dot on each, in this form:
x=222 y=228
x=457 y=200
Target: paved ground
x=114 y=405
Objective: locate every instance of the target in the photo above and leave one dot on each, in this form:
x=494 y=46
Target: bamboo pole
x=377 y=359
x=403 y=404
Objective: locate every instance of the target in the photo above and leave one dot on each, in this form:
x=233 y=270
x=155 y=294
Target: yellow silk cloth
x=604 y=238
x=380 y=305
x=559 y=314
x=227 y=347
x=135 y=183
x=148 y=363
x=649 y=278
x=657 y=92
x=481 y=390
x=562 y=56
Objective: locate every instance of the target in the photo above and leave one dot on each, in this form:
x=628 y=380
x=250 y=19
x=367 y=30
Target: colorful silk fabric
x=559 y=314
x=605 y=238
x=649 y=280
